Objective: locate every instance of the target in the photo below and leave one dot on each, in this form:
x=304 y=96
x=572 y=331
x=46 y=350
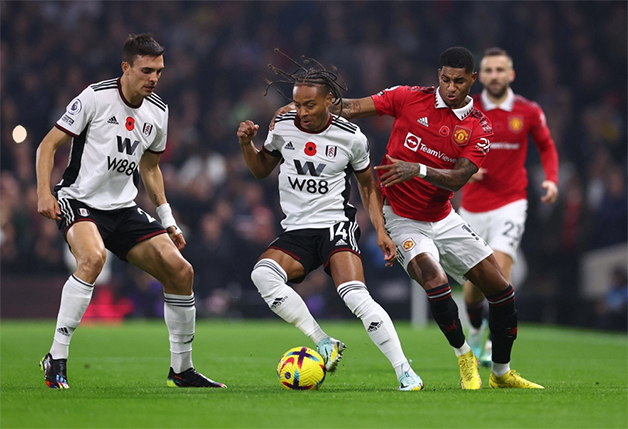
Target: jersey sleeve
x=159 y=144
x=78 y=113
x=274 y=142
x=361 y=157
x=481 y=139
x=390 y=101
x=542 y=138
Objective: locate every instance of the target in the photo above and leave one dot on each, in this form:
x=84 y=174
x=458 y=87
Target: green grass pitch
x=118 y=380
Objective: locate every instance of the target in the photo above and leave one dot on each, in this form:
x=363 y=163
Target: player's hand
x=389 y=250
x=48 y=206
x=246 y=132
x=176 y=235
x=551 y=192
x=281 y=111
x=397 y=172
x=479 y=175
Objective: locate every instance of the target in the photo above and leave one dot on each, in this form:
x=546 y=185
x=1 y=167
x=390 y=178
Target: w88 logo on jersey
x=313 y=186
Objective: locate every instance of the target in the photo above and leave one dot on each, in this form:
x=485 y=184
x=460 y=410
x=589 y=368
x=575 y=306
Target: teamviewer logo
x=412 y=142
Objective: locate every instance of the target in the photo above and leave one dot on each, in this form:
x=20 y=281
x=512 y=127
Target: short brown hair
x=497 y=52
x=138 y=45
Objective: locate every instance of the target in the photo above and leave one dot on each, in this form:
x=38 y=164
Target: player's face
x=454 y=85
x=143 y=75
x=312 y=106
x=496 y=74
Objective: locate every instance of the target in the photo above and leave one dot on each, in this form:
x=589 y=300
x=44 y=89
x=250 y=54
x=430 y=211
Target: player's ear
x=125 y=66
x=512 y=75
x=474 y=77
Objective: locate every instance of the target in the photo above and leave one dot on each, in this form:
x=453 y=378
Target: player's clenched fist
x=246 y=131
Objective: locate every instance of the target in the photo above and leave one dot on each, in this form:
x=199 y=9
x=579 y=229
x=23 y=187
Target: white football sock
x=464 y=349
x=180 y=317
x=376 y=321
x=270 y=279
x=500 y=369
x=75 y=299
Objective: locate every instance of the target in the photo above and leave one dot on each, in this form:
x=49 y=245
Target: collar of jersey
x=507 y=105
x=462 y=112
x=124 y=100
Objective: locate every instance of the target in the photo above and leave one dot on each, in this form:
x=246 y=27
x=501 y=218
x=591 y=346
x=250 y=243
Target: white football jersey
x=315 y=173
x=109 y=138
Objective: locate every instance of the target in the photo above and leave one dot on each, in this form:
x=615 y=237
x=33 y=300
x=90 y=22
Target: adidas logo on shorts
x=341 y=242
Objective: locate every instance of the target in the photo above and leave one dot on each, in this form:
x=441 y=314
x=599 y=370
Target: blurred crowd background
x=569 y=56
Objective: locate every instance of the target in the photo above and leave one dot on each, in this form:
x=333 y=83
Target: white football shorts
x=451 y=241
x=502 y=228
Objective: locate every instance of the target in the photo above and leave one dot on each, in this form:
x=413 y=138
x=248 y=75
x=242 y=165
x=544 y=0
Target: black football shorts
x=120 y=229
x=314 y=247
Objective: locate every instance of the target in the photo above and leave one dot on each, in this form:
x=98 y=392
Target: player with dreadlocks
x=319 y=152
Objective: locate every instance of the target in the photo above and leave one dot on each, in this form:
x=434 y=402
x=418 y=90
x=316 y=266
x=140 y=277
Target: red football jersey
x=506 y=179
x=428 y=131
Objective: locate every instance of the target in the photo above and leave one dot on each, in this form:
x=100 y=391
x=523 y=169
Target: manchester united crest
x=515 y=123
x=461 y=135
x=408 y=244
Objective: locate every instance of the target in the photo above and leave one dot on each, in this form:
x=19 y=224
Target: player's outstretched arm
x=348 y=109
x=354 y=108
x=372 y=201
x=399 y=171
x=47 y=204
x=260 y=163
x=154 y=183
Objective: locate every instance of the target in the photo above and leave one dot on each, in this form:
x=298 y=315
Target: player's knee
x=91 y=263
x=267 y=275
x=186 y=272
x=427 y=271
x=178 y=278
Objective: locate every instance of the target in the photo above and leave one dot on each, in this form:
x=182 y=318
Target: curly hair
x=310 y=73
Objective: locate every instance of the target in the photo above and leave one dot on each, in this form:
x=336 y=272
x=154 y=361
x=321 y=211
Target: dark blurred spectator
x=612 y=311
x=610 y=220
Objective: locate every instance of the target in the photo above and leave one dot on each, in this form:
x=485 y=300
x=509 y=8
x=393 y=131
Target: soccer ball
x=301 y=368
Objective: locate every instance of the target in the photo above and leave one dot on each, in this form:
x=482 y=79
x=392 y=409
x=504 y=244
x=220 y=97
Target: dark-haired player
x=494 y=202
x=118 y=129
x=318 y=153
x=438 y=141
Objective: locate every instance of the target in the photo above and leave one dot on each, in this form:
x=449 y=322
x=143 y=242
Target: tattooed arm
x=354 y=108
x=450 y=179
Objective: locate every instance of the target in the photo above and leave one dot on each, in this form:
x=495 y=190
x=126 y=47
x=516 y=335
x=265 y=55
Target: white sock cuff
x=179 y=300
x=351 y=286
x=80 y=284
x=272 y=265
